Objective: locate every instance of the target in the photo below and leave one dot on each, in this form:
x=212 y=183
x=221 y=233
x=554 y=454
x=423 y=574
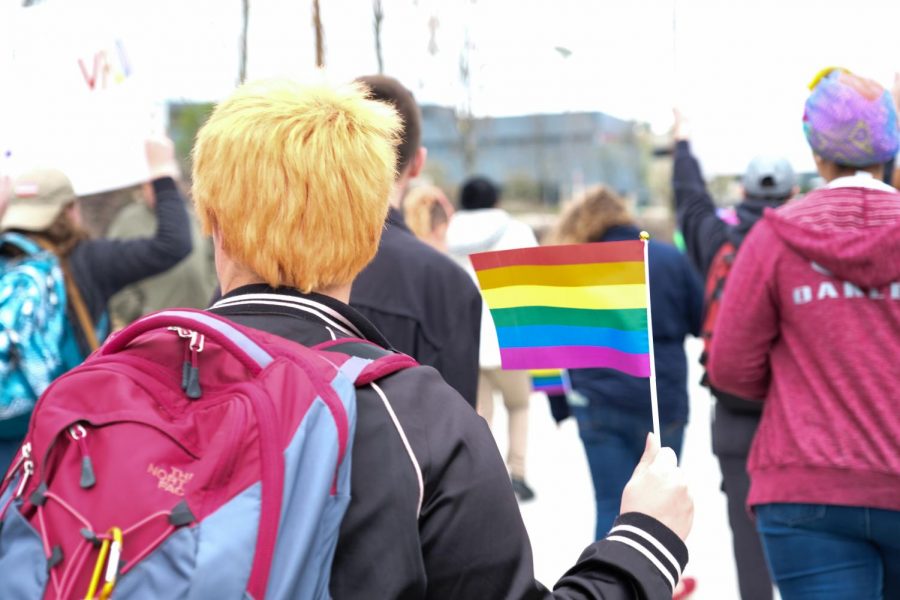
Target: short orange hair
x=295 y=179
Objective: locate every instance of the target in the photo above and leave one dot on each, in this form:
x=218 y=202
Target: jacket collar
x=749 y=211
x=395 y=219
x=317 y=308
x=861 y=179
x=618 y=233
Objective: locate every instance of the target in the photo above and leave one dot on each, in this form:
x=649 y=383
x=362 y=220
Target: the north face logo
x=172 y=481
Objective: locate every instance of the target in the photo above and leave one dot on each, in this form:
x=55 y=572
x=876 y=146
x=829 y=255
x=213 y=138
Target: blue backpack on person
x=37 y=342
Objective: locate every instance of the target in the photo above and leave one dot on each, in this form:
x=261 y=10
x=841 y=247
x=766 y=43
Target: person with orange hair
x=317 y=251
x=292 y=182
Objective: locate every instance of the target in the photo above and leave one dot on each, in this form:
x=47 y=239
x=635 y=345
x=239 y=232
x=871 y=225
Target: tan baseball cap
x=36 y=199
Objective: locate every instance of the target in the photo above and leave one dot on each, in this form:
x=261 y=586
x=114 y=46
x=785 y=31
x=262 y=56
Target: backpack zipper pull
x=186 y=368
x=193 y=389
x=88 y=479
x=28 y=468
x=24 y=454
x=185 y=334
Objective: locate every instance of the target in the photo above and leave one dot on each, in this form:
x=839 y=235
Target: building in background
x=541 y=157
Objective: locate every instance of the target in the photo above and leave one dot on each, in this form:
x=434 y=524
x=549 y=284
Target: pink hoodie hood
x=852 y=232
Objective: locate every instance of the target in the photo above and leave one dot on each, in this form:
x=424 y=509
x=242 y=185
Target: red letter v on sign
x=91 y=79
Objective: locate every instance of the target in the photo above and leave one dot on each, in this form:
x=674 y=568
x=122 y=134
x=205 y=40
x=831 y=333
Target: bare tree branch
x=433 y=23
x=245 y=21
x=320 y=40
x=378 y=10
x=465 y=118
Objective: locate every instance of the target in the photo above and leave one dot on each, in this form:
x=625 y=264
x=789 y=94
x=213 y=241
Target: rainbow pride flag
x=569 y=307
x=549 y=381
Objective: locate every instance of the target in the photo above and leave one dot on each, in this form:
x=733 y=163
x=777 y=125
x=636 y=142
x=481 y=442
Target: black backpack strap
x=356 y=347
x=384 y=362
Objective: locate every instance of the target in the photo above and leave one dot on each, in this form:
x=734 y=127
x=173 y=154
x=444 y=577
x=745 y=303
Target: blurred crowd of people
x=311 y=220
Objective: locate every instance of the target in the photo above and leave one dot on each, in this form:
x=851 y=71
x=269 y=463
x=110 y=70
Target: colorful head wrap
x=850 y=120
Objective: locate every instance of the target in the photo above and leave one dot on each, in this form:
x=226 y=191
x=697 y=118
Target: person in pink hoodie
x=810 y=323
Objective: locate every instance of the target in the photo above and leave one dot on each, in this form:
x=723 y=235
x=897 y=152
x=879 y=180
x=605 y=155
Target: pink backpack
x=189 y=457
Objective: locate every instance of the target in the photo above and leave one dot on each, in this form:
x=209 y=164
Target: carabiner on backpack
x=112 y=546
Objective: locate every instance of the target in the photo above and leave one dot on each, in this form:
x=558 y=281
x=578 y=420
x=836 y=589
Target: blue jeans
x=836 y=552
x=614 y=441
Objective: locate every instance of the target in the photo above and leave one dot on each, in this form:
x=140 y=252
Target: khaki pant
x=515 y=388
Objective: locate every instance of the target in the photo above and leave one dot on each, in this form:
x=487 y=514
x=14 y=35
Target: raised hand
x=161 y=158
x=682 y=125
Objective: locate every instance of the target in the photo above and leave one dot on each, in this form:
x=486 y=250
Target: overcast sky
x=738 y=67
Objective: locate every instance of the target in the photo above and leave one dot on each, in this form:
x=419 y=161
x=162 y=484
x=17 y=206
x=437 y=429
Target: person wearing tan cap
x=42 y=208
x=37 y=198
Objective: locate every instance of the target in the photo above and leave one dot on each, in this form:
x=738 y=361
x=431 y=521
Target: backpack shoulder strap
x=712 y=294
x=718 y=272
x=383 y=362
x=81 y=311
x=75 y=298
x=20 y=241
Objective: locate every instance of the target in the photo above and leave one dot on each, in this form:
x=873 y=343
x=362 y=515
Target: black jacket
x=469 y=540
x=705 y=233
x=425 y=305
x=102 y=267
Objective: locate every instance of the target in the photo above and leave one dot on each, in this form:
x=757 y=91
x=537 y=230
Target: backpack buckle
x=182 y=333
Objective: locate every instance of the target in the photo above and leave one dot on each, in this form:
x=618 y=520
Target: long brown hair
x=590 y=216
x=63 y=234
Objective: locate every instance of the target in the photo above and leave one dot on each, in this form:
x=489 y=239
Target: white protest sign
x=76 y=101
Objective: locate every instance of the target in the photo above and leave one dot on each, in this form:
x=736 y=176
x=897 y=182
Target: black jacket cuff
x=164 y=184
x=654 y=542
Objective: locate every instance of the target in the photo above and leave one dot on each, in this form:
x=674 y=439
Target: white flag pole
x=654 y=400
